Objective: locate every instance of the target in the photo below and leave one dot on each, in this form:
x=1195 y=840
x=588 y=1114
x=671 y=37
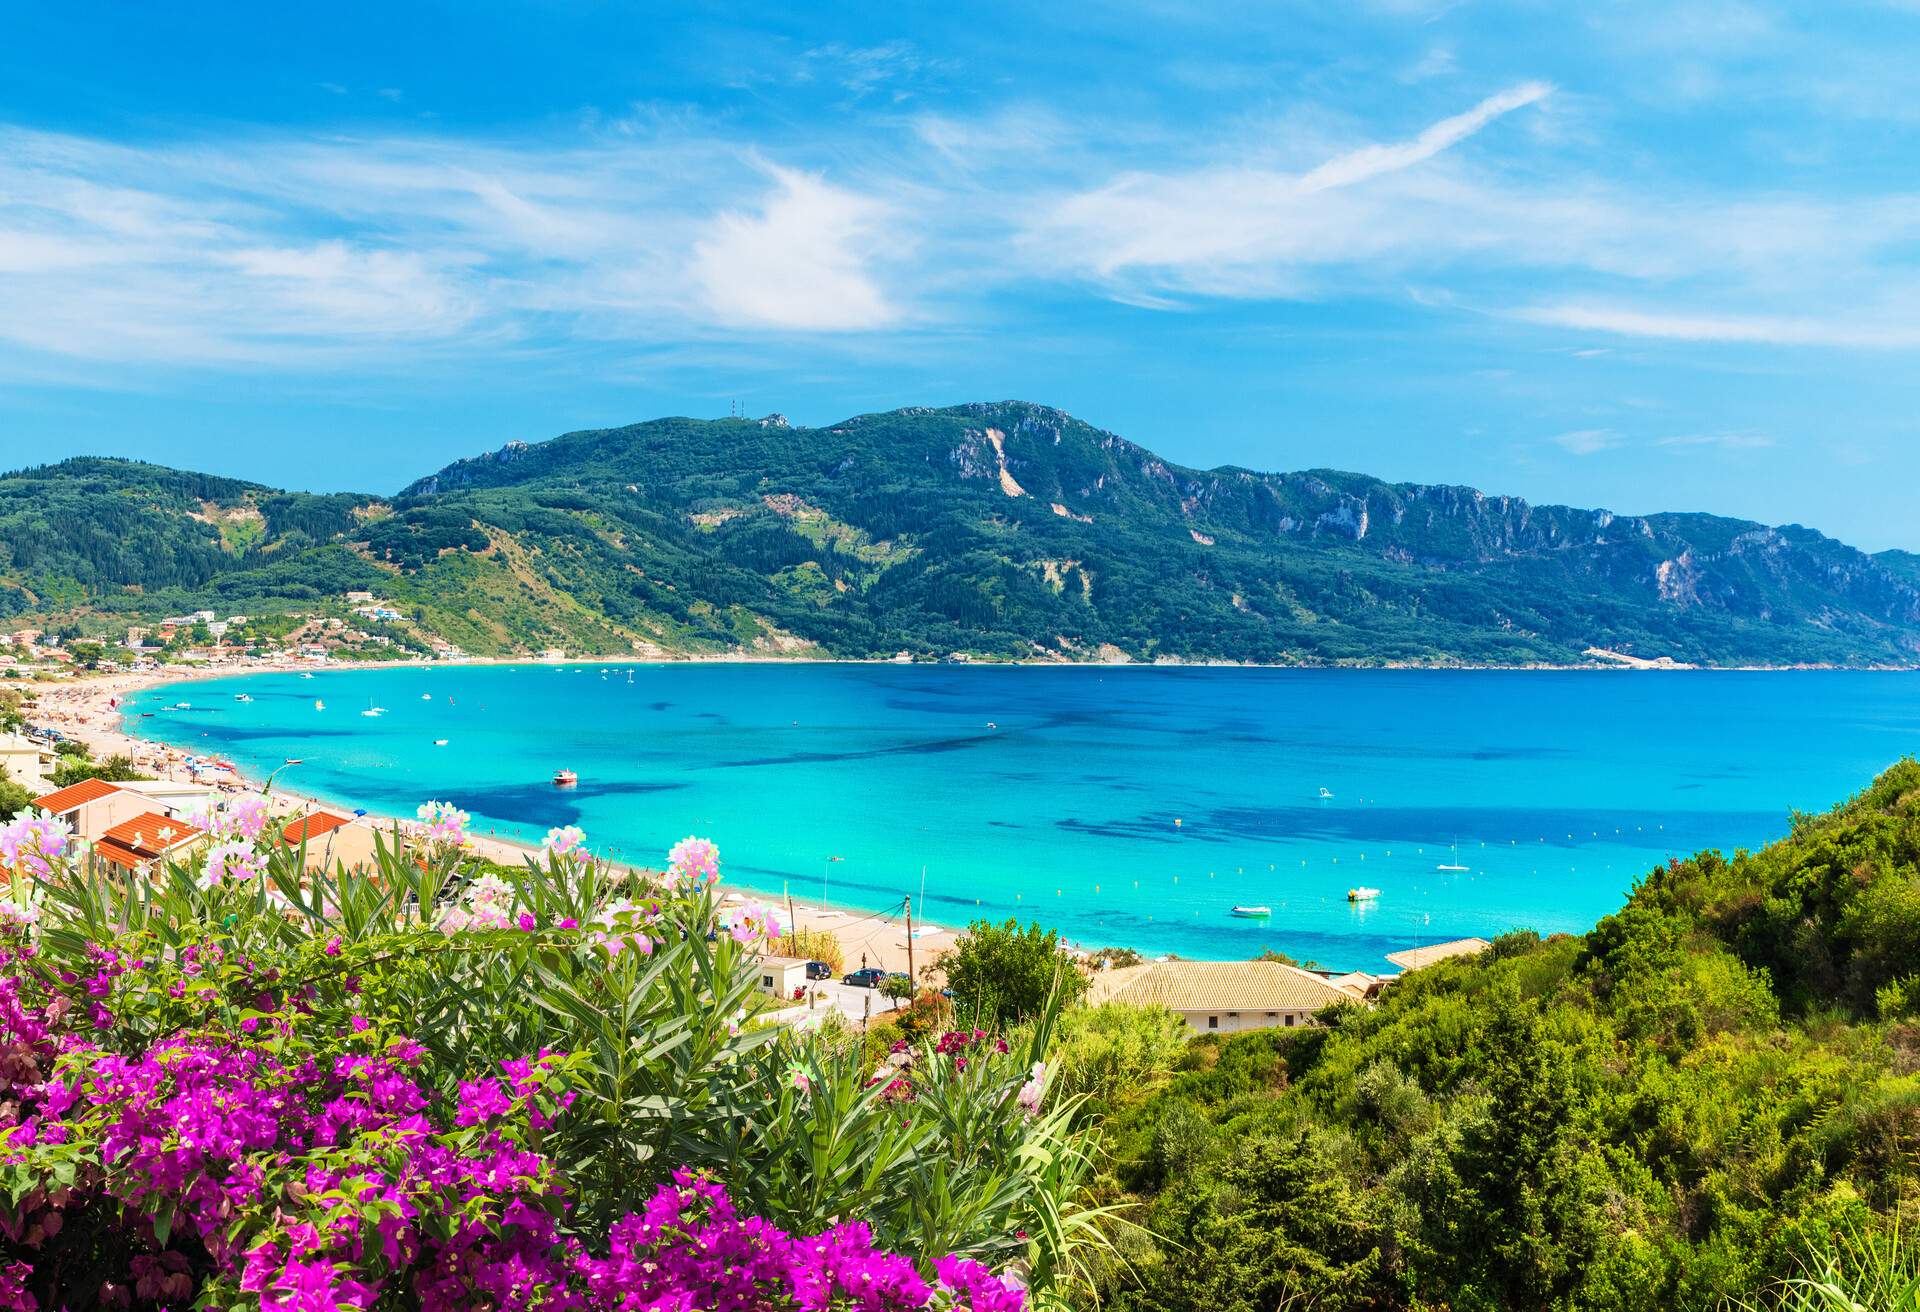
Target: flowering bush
x=441 y=827
x=244 y=817
x=31 y=844
x=440 y=1084
x=226 y=1170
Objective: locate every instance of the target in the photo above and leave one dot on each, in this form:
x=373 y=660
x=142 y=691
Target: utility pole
x=910 y=975
x=793 y=926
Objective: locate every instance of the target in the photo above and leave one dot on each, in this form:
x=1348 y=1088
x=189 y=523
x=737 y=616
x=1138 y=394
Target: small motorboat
x=1362 y=894
x=1253 y=913
x=306 y=676
x=439 y=742
x=242 y=697
x=426 y=696
x=1326 y=794
x=183 y=706
x=565 y=778
x=319 y=705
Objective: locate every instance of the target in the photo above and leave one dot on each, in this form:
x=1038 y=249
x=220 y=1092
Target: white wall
x=1223 y=1022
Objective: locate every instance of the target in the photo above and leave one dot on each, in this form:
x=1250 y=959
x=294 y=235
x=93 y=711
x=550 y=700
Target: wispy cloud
x=1372 y=161
x=1718 y=441
x=324 y=250
x=1876 y=329
x=1586 y=441
x=1239 y=230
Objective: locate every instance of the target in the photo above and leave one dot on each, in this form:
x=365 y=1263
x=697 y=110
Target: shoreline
x=87 y=714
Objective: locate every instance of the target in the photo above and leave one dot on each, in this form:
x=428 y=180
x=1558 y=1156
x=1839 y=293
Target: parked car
x=819 y=970
x=864 y=979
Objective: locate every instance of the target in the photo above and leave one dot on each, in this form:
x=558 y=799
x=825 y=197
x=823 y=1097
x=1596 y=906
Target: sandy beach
x=86 y=709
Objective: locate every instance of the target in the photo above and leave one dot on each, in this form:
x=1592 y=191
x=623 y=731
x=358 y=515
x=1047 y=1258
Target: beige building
x=26 y=761
x=137 y=843
x=331 y=839
x=1415 y=958
x=1227 y=996
x=782 y=977
x=93 y=806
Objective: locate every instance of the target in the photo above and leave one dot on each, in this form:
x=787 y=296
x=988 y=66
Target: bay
x=1131 y=806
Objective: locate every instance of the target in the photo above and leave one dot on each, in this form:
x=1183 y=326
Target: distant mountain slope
x=1002 y=529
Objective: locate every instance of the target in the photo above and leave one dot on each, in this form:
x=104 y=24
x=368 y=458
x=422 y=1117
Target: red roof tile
x=62 y=800
x=149 y=835
x=119 y=855
x=311 y=826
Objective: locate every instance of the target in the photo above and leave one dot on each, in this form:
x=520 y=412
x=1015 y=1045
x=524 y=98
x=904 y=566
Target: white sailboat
x=1453 y=867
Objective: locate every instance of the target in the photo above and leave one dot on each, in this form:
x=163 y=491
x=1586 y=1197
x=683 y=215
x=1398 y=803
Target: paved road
x=853 y=1002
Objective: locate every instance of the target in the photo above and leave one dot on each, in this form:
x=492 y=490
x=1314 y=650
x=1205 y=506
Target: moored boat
x=1362 y=894
x=565 y=778
x=1253 y=913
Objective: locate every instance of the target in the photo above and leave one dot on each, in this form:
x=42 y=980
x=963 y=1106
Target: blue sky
x=1636 y=255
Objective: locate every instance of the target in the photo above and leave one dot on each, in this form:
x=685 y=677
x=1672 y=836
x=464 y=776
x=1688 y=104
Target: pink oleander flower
x=487 y=905
x=694 y=861
x=750 y=922
x=564 y=841
x=232 y=862
x=32 y=843
x=242 y=817
x=1033 y=1090
x=442 y=826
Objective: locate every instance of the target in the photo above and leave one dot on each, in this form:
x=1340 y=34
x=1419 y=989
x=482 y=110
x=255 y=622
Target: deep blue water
x=1128 y=806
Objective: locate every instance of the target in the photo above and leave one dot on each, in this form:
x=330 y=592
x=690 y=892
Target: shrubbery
x=230 y=1081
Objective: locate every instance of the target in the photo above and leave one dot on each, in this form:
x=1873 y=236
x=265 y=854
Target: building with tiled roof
x=1222 y=995
x=1415 y=958
x=148 y=837
x=331 y=840
x=93 y=806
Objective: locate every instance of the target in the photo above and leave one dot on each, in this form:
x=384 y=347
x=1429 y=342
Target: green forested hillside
x=1666 y=1113
x=1004 y=530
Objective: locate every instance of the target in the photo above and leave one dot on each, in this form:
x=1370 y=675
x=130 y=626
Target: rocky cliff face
x=980 y=498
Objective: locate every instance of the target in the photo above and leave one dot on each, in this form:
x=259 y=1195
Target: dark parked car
x=819 y=970
x=864 y=979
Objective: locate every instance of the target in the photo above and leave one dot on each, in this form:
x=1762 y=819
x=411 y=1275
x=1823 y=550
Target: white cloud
x=800 y=263
x=1372 y=161
x=1875 y=329
x=383 y=250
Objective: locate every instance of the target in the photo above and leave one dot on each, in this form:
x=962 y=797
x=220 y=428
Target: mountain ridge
x=1002 y=529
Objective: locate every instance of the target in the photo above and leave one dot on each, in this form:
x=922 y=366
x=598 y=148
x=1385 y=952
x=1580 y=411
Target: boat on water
x=183 y=706
x=426 y=696
x=306 y=676
x=1326 y=794
x=565 y=778
x=1362 y=894
x=439 y=742
x=242 y=697
x=1253 y=913
x=372 y=712
x=319 y=705
x=1453 y=866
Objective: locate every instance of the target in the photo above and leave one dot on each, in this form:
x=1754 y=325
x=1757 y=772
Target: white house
x=27 y=762
x=781 y=977
x=1229 y=996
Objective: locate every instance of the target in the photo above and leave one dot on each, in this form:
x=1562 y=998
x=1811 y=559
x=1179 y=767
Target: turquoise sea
x=1128 y=806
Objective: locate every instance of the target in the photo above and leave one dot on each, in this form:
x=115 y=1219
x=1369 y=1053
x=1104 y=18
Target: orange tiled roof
x=149 y=835
x=119 y=855
x=62 y=800
x=311 y=826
